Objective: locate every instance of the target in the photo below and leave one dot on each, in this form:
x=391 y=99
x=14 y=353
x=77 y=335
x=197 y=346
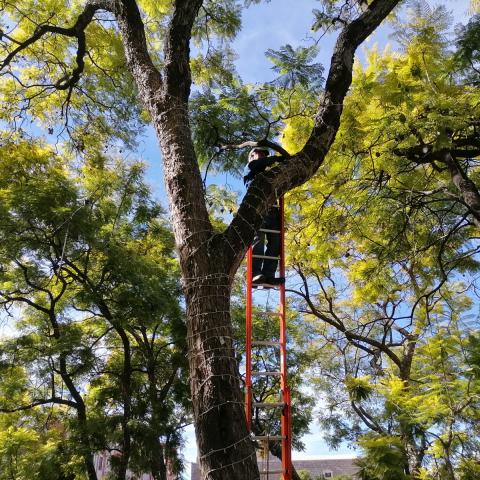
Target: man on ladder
x=265 y=261
x=261 y=266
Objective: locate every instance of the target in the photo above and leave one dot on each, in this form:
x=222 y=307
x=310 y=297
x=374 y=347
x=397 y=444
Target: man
x=263 y=269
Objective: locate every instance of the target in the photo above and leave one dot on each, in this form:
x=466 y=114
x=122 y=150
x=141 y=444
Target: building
x=321 y=467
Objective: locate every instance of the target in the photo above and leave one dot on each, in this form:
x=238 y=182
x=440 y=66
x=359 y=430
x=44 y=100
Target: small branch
x=77 y=31
x=37 y=403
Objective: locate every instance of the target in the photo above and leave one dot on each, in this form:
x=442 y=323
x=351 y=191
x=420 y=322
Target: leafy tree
x=88 y=269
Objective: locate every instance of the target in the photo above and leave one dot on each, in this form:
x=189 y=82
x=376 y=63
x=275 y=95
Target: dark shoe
x=274 y=282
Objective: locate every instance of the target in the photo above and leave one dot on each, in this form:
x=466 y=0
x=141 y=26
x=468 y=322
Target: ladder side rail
x=248 y=343
x=286 y=416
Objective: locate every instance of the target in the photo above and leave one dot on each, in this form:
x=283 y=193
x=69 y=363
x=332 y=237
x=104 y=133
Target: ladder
x=283 y=406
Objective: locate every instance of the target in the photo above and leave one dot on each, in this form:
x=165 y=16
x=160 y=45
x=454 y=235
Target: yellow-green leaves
x=359 y=388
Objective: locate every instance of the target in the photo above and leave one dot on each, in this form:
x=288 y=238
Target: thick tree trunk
x=226 y=449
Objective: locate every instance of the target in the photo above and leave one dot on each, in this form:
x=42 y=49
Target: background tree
x=88 y=270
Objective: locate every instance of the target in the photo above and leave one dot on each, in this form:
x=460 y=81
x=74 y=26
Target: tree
x=59 y=48
x=87 y=267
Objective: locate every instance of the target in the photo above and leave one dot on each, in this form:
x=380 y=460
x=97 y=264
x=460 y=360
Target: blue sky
x=271 y=25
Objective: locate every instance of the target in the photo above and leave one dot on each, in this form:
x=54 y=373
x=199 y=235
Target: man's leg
x=272 y=222
x=273 y=250
x=258 y=248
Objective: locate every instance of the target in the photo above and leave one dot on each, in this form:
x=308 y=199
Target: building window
x=328 y=474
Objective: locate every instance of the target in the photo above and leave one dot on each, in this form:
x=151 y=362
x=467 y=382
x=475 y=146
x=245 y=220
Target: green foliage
x=229 y=115
x=294 y=66
x=90 y=276
x=220 y=18
x=468 y=49
x=359 y=388
x=383 y=460
x=383 y=245
x=334 y=14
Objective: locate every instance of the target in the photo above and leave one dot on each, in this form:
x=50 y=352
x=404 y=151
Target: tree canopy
x=385 y=208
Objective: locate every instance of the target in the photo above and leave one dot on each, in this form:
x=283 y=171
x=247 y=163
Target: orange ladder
x=284 y=403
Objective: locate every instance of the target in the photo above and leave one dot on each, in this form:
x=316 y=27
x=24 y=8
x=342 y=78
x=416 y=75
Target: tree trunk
x=225 y=446
x=125 y=383
x=87 y=454
x=275 y=449
x=157 y=457
x=84 y=437
x=157 y=460
x=126 y=380
x=413 y=452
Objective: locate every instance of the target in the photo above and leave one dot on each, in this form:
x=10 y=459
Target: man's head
x=258 y=152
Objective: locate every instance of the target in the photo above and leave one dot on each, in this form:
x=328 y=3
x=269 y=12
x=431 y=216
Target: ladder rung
x=267 y=257
x=261 y=287
x=268 y=405
x=273 y=438
x=266 y=344
x=268 y=313
x=269 y=230
x=265 y=374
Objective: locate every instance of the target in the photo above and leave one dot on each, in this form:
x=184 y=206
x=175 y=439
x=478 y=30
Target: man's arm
x=260 y=164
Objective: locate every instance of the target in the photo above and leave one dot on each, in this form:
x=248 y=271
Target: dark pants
x=260 y=265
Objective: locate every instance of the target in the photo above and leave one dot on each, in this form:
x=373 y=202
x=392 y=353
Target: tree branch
x=177 y=48
x=77 y=31
x=36 y=403
x=261 y=143
x=301 y=167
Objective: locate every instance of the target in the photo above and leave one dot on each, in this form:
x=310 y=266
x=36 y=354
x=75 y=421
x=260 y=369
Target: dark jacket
x=257 y=166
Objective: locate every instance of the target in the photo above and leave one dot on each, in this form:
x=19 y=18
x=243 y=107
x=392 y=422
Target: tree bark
x=225 y=446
